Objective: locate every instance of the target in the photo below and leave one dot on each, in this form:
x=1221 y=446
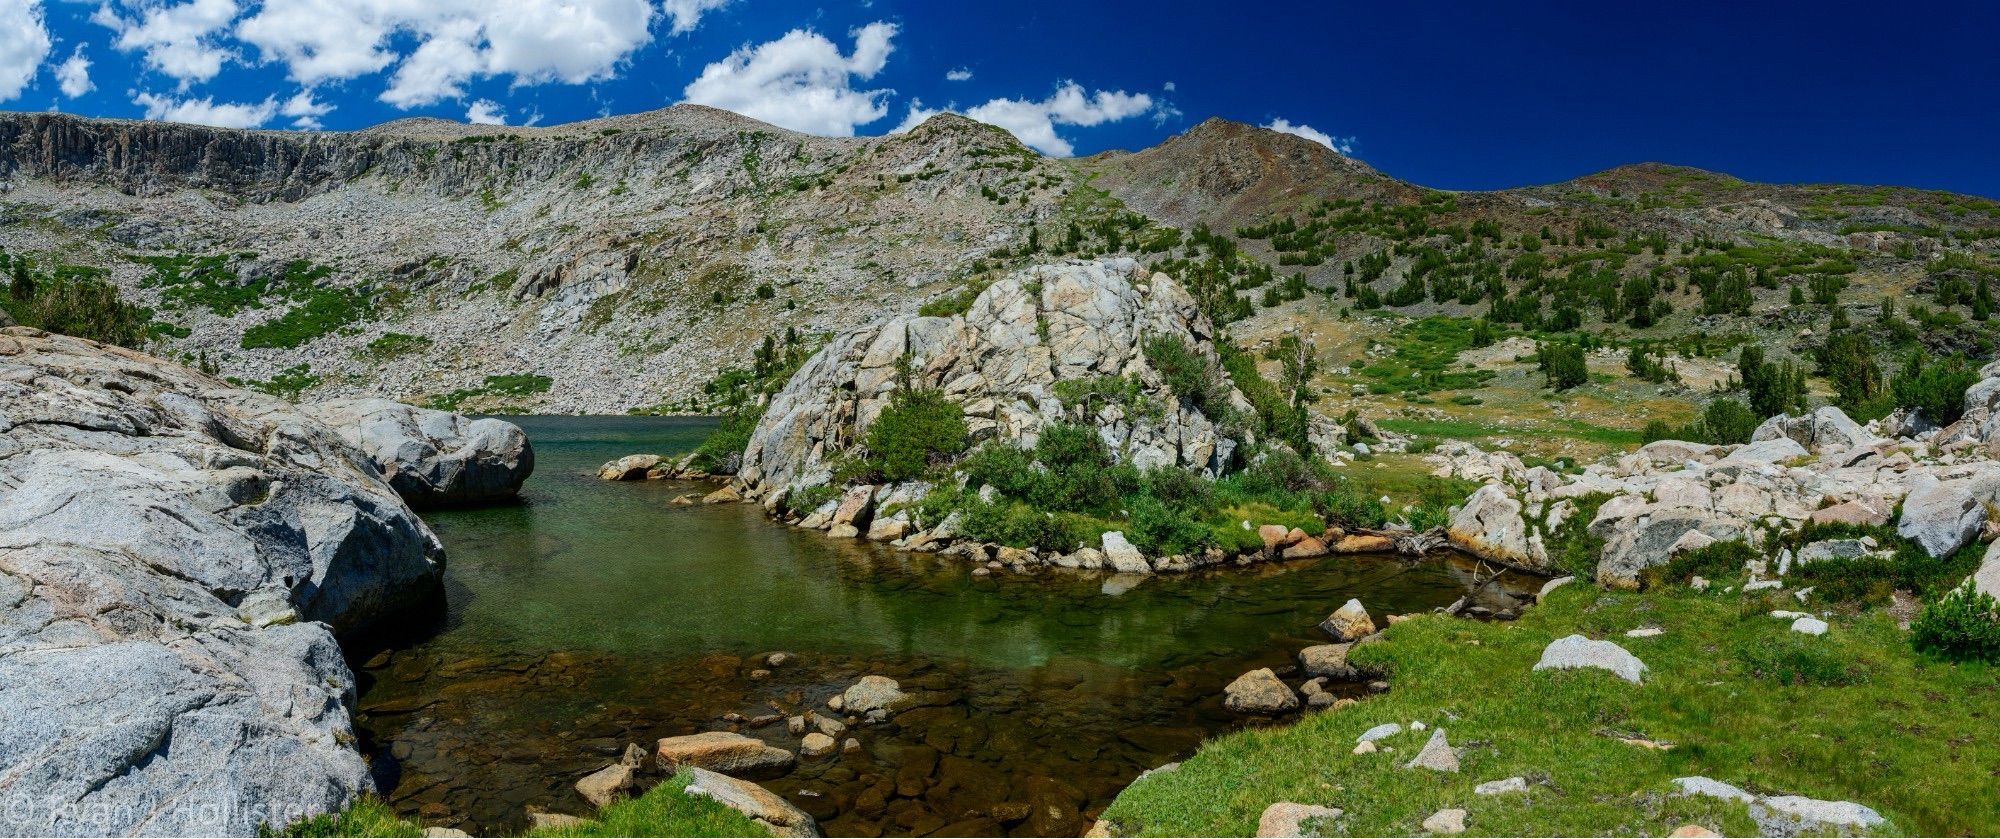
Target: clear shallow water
x=595 y=614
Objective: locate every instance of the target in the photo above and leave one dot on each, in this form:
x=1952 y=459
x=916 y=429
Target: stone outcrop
x=1002 y=361
x=1489 y=526
x=176 y=557
x=1941 y=516
x=1825 y=430
x=434 y=458
x=1670 y=497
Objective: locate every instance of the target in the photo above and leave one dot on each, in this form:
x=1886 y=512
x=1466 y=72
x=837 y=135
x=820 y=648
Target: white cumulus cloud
x=1344 y=145
x=1034 y=121
x=181 y=40
x=485 y=112
x=801 y=81
x=959 y=75
x=24 y=42
x=684 y=14
x=304 y=111
x=73 y=75
x=527 y=41
x=207 y=111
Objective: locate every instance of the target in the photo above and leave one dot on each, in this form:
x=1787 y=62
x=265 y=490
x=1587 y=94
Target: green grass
x=323 y=311
x=512 y=384
x=1852 y=715
x=1474 y=430
x=665 y=810
x=367 y=816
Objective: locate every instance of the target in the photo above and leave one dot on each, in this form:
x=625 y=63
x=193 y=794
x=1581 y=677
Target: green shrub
x=1179 y=489
x=1963 y=625
x=324 y=310
x=1573 y=547
x=1008 y=469
x=1350 y=506
x=919 y=429
x=1935 y=387
x=1722 y=559
x=728 y=439
x=392 y=345
x=956 y=303
x=77 y=304
x=1188 y=375
x=1160 y=530
x=1279 y=471
x=1563 y=364
x=1868 y=579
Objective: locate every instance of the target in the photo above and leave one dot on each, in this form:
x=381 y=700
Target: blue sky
x=1452 y=95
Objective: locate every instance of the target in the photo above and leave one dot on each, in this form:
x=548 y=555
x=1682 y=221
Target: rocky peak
x=1005 y=361
x=1224 y=173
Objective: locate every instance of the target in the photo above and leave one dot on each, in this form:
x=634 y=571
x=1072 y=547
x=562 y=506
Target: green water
x=594 y=614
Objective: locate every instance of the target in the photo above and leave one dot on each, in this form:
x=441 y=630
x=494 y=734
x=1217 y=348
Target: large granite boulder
x=176 y=557
x=434 y=458
x=1489 y=526
x=1002 y=361
x=1827 y=429
x=1942 y=516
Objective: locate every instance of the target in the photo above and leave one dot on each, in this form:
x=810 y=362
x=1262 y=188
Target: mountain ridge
x=628 y=259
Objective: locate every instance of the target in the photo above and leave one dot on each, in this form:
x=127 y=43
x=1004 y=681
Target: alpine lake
x=594 y=614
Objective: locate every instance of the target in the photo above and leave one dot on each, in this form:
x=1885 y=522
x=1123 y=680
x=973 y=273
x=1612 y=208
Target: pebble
x=1287 y=819
x=1501 y=787
x=1446 y=821
x=1378 y=732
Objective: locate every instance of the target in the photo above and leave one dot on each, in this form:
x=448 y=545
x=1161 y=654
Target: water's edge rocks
x=434 y=458
x=1002 y=362
x=177 y=557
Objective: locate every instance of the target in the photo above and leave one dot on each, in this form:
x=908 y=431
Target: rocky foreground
x=1669 y=497
x=177 y=560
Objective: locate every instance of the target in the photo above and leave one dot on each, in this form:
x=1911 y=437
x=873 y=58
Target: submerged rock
x=632 y=467
x=434 y=458
x=723 y=751
x=179 y=555
x=872 y=693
